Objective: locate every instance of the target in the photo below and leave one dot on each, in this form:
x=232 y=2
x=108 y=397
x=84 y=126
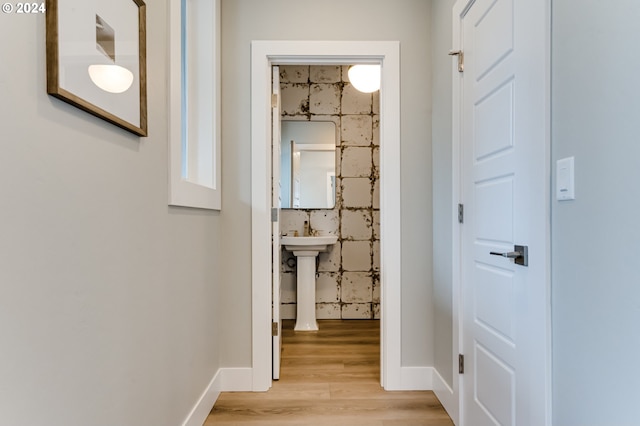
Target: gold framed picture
x=96 y=58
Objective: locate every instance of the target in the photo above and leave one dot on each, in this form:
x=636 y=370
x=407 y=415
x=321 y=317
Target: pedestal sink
x=306 y=249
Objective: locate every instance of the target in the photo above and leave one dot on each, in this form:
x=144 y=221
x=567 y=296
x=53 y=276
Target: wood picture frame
x=96 y=58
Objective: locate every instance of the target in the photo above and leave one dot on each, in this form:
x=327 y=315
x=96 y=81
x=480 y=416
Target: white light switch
x=565 y=180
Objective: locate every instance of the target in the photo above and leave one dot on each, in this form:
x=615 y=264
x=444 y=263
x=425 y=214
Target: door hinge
x=460 y=55
x=274 y=214
x=274 y=100
x=460 y=213
x=274 y=328
x=461 y=364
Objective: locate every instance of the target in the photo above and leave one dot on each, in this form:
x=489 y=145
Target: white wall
x=407 y=21
x=108 y=297
x=596 y=238
x=443 y=213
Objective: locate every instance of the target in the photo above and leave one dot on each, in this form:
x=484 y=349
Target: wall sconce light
x=365 y=78
x=111 y=78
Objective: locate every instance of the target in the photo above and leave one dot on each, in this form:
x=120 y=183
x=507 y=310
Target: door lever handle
x=508 y=255
x=520 y=255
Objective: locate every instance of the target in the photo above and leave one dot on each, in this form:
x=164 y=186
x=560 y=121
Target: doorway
x=329 y=133
x=264 y=55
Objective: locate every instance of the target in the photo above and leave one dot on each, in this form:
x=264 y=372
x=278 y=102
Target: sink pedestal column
x=306 y=283
x=305 y=249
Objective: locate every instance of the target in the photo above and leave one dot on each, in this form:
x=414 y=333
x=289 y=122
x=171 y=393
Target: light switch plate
x=565 y=179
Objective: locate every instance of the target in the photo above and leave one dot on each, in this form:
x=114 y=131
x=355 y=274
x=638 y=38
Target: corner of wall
x=225 y=380
x=446 y=396
x=205 y=403
x=415 y=378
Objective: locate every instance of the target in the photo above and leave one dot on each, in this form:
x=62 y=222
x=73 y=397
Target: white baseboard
x=446 y=396
x=203 y=407
x=225 y=380
x=237 y=379
x=416 y=378
x=241 y=380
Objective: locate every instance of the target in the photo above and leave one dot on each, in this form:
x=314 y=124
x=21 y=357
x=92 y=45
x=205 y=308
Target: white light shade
x=111 y=78
x=365 y=78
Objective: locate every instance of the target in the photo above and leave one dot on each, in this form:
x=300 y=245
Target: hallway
x=330 y=377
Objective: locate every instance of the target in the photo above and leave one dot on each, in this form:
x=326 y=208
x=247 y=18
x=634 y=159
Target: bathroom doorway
x=264 y=55
x=315 y=98
x=324 y=126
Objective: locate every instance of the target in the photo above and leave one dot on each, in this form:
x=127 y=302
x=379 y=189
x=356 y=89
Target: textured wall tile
x=376 y=311
x=328 y=311
x=304 y=117
x=357 y=130
x=376 y=288
x=356 y=256
x=356 y=193
x=325 y=74
x=376 y=162
x=376 y=255
x=376 y=103
x=354 y=101
x=295 y=99
x=356 y=162
x=324 y=99
x=327 y=287
x=325 y=221
x=292 y=220
x=376 y=130
x=357 y=287
x=329 y=261
x=294 y=74
x=376 y=194
x=356 y=311
x=376 y=224
x=338 y=193
x=288 y=287
x=345 y=73
x=356 y=225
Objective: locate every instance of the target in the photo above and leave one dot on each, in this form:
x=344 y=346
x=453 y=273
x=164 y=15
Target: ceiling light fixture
x=365 y=78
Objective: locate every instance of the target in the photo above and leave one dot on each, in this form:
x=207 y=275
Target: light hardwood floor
x=330 y=377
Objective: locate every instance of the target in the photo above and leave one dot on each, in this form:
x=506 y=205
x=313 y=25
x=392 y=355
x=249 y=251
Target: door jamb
x=263 y=55
x=456 y=246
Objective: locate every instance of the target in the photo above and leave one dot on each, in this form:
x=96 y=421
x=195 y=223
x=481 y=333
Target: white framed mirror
x=308 y=165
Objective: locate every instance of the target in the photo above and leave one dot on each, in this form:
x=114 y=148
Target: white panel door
x=275 y=227
x=504 y=189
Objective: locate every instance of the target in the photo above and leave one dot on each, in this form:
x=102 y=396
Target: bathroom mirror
x=308 y=165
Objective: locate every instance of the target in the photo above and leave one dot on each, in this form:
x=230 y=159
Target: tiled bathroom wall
x=348 y=284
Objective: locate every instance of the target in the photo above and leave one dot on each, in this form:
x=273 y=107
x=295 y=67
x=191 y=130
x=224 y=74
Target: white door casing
x=263 y=55
x=503 y=118
x=275 y=225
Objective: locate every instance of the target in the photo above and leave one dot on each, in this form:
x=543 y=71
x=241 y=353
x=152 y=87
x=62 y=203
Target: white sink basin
x=318 y=243
x=306 y=249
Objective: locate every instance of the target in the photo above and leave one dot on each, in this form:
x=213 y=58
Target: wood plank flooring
x=330 y=377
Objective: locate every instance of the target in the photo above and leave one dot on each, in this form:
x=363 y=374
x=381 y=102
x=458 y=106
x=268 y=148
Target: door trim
x=263 y=55
x=460 y=8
